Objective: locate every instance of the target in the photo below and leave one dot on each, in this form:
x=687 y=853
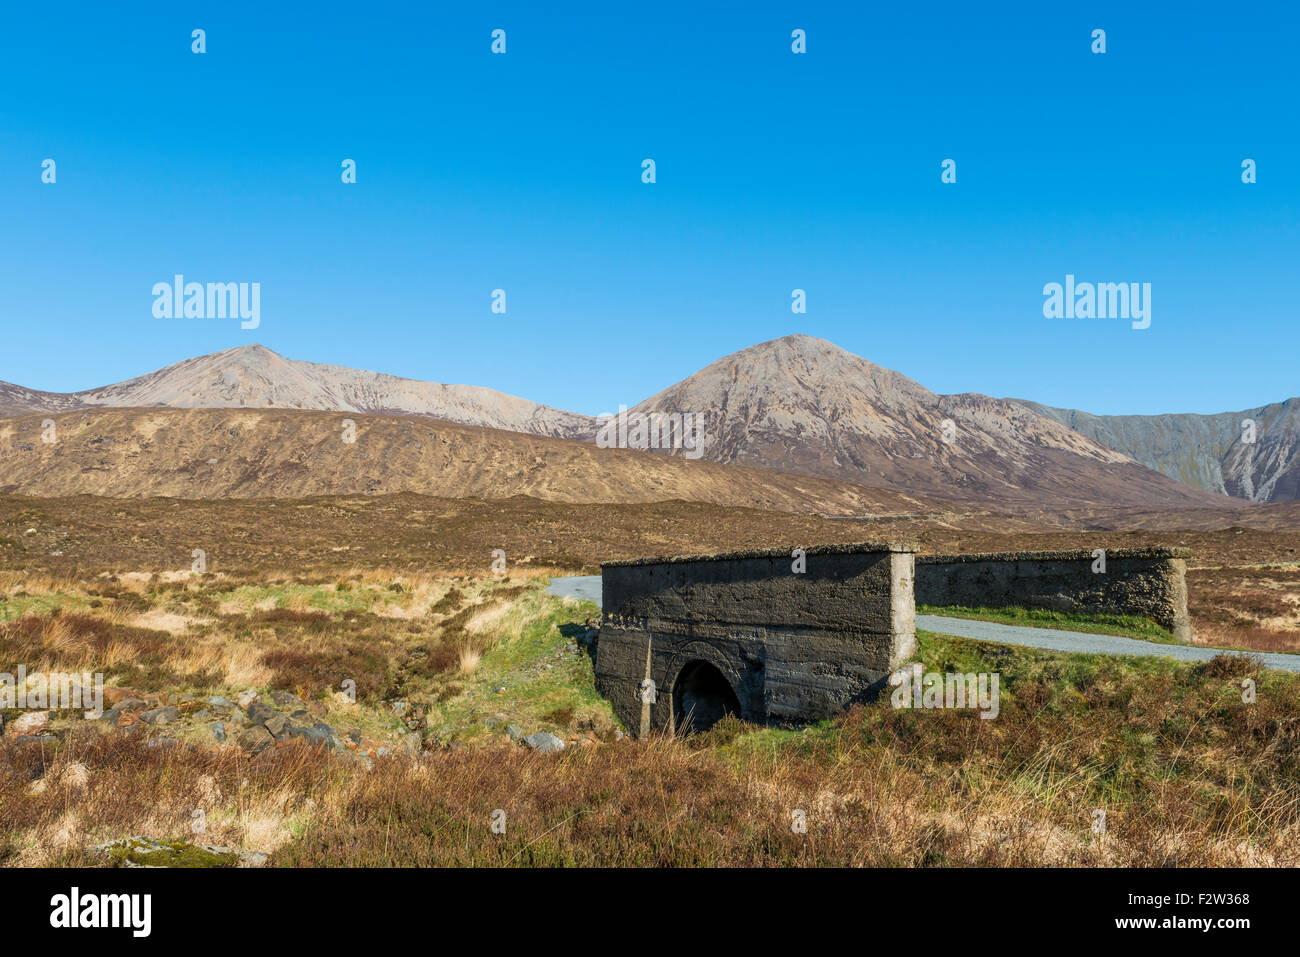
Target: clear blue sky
x=775 y=171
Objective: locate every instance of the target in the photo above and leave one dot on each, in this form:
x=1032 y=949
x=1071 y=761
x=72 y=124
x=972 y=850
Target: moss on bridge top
x=864 y=548
x=1061 y=556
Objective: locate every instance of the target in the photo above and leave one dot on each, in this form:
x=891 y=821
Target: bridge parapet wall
x=1150 y=582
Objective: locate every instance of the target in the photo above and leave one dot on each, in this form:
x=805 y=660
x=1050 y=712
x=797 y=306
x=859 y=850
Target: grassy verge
x=535 y=674
x=1128 y=626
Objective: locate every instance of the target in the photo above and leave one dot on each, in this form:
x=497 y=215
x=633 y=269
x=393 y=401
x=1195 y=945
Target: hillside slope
x=247 y=453
x=797 y=404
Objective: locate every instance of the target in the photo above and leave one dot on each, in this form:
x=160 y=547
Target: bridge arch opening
x=702 y=697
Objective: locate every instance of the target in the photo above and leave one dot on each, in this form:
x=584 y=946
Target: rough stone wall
x=1147 y=581
x=792 y=647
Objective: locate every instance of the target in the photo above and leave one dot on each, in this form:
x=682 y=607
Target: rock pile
x=253 y=722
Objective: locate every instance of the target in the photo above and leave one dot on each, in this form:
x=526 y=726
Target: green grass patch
x=1126 y=626
x=16 y=606
x=547 y=686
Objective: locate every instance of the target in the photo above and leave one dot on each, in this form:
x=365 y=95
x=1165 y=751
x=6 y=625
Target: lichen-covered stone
x=544 y=742
x=260 y=713
x=161 y=716
x=256 y=738
x=148 y=852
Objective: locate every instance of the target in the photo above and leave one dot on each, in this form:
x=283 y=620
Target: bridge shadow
x=584 y=636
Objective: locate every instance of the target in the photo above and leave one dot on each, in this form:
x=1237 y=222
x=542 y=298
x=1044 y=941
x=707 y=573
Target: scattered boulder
x=29 y=723
x=201 y=715
x=319 y=734
x=161 y=715
x=115 y=696
x=278 y=725
x=259 y=713
x=544 y=742
x=255 y=739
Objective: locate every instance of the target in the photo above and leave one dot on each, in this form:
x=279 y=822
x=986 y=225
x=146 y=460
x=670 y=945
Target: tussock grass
x=1187 y=773
x=55 y=804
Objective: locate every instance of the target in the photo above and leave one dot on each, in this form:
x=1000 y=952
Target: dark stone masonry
x=1150 y=582
x=686 y=640
x=777 y=638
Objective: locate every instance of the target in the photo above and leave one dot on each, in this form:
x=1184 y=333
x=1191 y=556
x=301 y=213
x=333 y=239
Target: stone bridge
x=785 y=637
x=767 y=635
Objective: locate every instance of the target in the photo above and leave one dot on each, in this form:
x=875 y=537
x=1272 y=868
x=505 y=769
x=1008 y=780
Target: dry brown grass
x=1254 y=637
x=1246 y=607
x=1188 y=774
x=469 y=659
x=56 y=804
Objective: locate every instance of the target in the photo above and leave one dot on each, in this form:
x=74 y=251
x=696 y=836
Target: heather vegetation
x=452 y=673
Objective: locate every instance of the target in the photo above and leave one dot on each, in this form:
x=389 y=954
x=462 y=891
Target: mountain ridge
x=254 y=376
x=804 y=405
x=796 y=404
x=1208 y=451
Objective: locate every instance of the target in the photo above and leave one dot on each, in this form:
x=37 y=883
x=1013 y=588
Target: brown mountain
x=804 y=405
x=797 y=404
x=254 y=377
x=252 y=453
